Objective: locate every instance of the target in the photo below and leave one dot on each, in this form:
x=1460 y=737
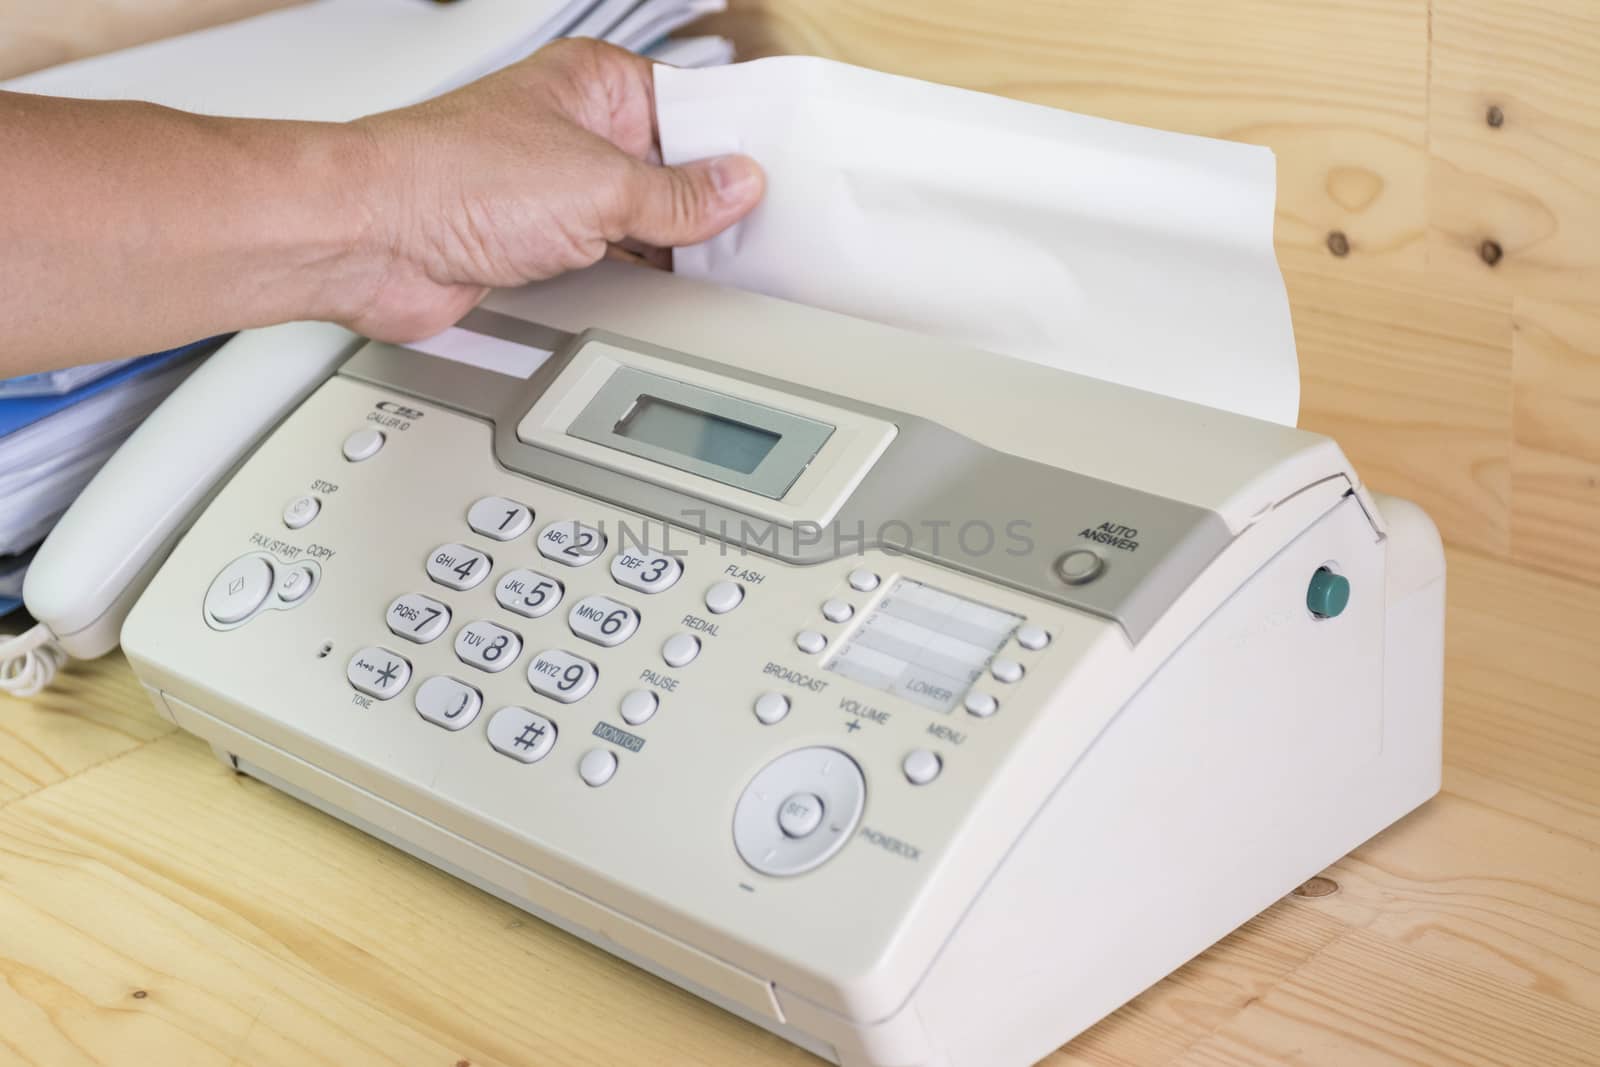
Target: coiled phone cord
x=29 y=661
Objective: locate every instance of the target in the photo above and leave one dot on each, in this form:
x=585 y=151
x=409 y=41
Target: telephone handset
x=106 y=548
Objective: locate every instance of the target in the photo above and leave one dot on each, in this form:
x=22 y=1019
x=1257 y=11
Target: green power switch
x=1327 y=594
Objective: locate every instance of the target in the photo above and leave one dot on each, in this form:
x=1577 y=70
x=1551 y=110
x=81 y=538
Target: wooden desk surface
x=157 y=908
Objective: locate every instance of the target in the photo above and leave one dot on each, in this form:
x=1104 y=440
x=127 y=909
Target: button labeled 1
x=499 y=518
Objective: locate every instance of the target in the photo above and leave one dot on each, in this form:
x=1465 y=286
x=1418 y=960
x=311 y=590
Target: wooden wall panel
x=1531 y=184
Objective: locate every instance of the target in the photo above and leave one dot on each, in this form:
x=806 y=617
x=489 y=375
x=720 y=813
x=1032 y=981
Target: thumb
x=684 y=205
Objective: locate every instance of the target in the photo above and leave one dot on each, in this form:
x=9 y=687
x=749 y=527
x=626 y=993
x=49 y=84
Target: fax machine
x=869 y=686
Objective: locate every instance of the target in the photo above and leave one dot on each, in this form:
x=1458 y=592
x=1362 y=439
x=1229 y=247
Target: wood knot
x=1316 y=887
x=1490 y=251
x=1495 y=117
x=1338 y=243
x=139 y=994
x=463 y=1063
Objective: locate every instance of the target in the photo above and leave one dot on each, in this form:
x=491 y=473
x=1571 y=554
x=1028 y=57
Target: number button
x=458 y=566
x=528 y=593
x=648 y=572
x=378 y=672
x=561 y=675
x=525 y=736
x=417 y=618
x=603 y=620
x=446 y=702
x=488 y=647
x=499 y=518
x=571 y=544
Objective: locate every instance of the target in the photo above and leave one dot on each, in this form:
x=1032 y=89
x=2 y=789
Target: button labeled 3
x=648 y=572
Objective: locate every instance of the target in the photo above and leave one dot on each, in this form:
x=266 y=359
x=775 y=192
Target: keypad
x=525 y=736
x=417 y=618
x=499 y=518
x=488 y=647
x=529 y=593
x=648 y=572
x=561 y=676
x=458 y=566
x=602 y=620
x=571 y=543
x=447 y=702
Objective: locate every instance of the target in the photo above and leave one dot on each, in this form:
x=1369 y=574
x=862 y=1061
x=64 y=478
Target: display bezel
x=799 y=438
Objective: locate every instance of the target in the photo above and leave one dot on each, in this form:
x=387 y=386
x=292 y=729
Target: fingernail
x=733 y=177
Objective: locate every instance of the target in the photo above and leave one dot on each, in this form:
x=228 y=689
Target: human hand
x=532 y=171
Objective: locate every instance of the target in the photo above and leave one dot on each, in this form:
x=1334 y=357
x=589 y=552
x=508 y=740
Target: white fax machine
x=868 y=686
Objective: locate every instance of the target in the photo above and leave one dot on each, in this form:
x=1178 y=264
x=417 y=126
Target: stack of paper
x=329 y=60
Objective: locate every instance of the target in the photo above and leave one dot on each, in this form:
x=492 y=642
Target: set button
x=417 y=618
x=446 y=702
x=528 y=593
x=525 y=736
x=571 y=543
x=561 y=676
x=457 y=566
x=724 y=597
x=499 y=518
x=603 y=620
x=488 y=647
x=378 y=672
x=679 y=650
x=800 y=815
x=648 y=572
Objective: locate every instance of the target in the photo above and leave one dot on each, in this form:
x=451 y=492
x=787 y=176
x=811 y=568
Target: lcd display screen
x=734 y=446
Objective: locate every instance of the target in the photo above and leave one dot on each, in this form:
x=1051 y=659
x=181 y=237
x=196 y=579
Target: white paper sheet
x=481 y=350
x=1130 y=254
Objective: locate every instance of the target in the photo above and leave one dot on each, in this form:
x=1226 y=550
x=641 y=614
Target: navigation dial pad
x=798 y=811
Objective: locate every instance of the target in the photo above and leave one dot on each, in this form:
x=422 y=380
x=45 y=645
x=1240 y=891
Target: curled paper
x=1134 y=255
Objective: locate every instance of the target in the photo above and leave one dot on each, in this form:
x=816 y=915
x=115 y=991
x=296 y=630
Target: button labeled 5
x=528 y=593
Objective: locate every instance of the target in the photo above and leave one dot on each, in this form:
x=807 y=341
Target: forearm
x=127 y=228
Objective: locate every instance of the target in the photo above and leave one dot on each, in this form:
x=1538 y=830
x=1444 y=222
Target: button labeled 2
x=571 y=544
x=603 y=620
